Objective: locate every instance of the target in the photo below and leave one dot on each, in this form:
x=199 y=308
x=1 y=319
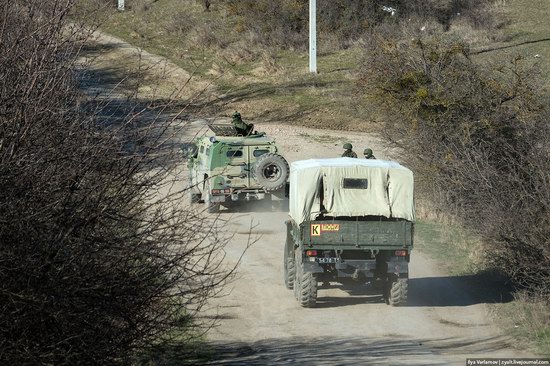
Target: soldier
x=240 y=126
x=368 y=154
x=349 y=153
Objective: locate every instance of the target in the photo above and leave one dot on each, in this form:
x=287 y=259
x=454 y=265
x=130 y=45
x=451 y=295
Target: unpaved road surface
x=445 y=322
x=261 y=323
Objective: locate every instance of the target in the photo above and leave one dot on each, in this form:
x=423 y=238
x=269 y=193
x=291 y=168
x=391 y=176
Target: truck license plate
x=328 y=260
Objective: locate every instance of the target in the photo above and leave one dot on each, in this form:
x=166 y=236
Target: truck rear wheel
x=290 y=267
x=305 y=285
x=398 y=292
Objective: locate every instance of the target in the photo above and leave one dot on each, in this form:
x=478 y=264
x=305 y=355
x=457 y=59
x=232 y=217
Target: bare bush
x=96 y=263
x=206 y=35
x=285 y=23
x=205 y=4
x=475 y=137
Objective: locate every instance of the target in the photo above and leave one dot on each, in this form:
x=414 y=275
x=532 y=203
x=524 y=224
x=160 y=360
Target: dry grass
x=528 y=320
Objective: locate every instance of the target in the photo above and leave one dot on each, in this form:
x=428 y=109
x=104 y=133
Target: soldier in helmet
x=349 y=153
x=240 y=126
x=368 y=154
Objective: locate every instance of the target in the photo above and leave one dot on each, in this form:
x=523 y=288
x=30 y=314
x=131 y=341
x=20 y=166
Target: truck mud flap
x=398 y=267
x=313 y=267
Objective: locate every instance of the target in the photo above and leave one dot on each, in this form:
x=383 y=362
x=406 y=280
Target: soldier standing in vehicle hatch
x=349 y=153
x=240 y=126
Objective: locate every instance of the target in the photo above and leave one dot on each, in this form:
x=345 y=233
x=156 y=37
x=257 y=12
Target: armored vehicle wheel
x=397 y=292
x=305 y=285
x=290 y=268
x=211 y=207
x=194 y=197
x=271 y=171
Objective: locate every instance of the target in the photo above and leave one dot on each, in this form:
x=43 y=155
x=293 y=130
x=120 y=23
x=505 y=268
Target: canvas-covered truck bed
x=350 y=187
x=350 y=219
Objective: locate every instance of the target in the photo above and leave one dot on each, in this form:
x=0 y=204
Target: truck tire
x=305 y=285
x=398 y=292
x=271 y=171
x=290 y=266
x=211 y=207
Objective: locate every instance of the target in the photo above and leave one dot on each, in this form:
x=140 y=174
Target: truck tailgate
x=358 y=234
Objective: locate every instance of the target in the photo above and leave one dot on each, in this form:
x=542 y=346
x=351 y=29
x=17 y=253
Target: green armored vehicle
x=226 y=168
x=351 y=221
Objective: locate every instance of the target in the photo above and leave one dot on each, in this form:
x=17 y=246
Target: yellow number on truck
x=330 y=227
x=317 y=229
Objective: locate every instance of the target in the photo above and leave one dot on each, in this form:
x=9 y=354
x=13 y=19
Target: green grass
x=203 y=42
x=260 y=80
x=527 y=35
x=450 y=245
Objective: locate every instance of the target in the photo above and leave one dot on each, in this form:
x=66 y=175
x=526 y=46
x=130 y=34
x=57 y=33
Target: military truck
x=226 y=168
x=351 y=222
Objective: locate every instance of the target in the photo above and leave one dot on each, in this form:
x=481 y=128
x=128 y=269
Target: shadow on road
x=389 y=350
x=427 y=291
x=457 y=291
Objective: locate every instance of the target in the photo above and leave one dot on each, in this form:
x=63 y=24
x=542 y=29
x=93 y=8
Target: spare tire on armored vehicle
x=271 y=171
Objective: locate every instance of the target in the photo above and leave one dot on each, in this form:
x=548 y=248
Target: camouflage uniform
x=349 y=153
x=240 y=126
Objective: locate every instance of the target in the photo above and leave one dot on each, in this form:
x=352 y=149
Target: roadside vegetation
x=97 y=265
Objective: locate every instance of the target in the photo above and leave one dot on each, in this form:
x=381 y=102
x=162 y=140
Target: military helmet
x=348 y=146
x=236 y=114
x=367 y=152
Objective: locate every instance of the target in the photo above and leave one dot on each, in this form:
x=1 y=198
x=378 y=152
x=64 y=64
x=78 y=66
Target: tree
x=96 y=266
x=472 y=134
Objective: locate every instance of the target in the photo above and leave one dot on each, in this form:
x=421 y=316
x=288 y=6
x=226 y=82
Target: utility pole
x=312 y=36
x=120 y=4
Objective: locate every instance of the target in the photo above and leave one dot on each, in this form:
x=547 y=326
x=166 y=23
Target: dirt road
x=444 y=323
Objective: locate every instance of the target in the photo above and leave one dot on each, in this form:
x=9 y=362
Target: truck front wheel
x=305 y=285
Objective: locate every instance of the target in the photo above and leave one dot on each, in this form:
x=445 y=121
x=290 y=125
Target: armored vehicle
x=351 y=221
x=225 y=168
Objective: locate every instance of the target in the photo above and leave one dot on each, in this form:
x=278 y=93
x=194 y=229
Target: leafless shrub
x=205 y=4
x=285 y=23
x=97 y=264
x=179 y=23
x=474 y=136
x=205 y=35
x=238 y=53
x=140 y=6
